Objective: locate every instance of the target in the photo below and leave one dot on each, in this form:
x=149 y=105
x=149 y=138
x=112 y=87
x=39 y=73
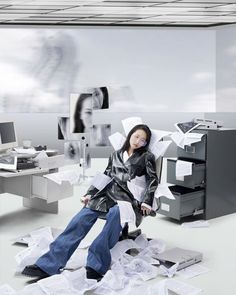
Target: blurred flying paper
x=100 y=181
x=163 y=190
x=159 y=148
x=157 y=135
x=117 y=140
x=130 y=122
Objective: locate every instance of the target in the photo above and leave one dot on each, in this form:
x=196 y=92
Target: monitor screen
x=7 y=135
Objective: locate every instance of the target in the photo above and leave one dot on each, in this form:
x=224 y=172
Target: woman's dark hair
x=79 y=125
x=143 y=127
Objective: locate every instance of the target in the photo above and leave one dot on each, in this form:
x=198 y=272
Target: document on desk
x=30 y=151
x=163 y=191
x=51 y=162
x=159 y=148
x=73 y=176
x=100 y=181
x=117 y=140
x=183 y=168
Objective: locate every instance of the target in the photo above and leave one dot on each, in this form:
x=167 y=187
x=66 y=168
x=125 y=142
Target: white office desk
x=37 y=191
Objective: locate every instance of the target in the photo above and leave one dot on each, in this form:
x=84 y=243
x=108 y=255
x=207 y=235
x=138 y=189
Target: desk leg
x=41 y=205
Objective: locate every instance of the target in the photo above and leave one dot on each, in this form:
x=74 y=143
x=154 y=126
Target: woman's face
x=86 y=112
x=138 y=139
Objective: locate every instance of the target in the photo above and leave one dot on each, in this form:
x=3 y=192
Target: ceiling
x=169 y=13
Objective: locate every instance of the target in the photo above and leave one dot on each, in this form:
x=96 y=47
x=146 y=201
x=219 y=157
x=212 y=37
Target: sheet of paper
x=169 y=272
x=42 y=155
x=57 y=284
x=195 y=224
x=159 y=148
x=186 y=139
x=193 y=271
x=182 y=288
x=163 y=190
x=7 y=290
x=30 y=151
x=126 y=213
x=33 y=289
x=183 y=168
x=130 y=122
x=157 y=135
x=52 y=162
x=121 y=247
x=100 y=181
x=73 y=176
x=136 y=190
x=143 y=269
x=117 y=140
x=178 y=139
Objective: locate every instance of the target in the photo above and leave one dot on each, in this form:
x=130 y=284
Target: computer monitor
x=8 y=137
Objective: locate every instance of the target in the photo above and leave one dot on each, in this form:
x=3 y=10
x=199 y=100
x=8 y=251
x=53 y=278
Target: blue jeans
x=99 y=257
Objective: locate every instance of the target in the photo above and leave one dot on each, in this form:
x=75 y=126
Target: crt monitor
x=7 y=136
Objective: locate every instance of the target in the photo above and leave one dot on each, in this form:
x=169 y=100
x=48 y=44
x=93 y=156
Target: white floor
x=217 y=243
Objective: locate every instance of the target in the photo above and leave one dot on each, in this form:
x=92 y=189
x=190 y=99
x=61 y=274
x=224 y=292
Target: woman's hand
x=85 y=199
x=145 y=211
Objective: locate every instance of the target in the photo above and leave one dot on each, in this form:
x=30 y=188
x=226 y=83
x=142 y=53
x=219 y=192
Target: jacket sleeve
x=151 y=179
x=93 y=190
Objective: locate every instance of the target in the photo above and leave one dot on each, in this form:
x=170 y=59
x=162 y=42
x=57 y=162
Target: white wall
x=226 y=69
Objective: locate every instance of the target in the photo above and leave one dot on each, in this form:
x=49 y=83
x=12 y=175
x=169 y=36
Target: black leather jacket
x=138 y=164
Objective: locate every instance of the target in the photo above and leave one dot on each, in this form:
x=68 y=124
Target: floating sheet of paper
x=7 y=290
x=130 y=122
x=195 y=224
x=117 y=140
x=100 y=181
x=136 y=190
x=186 y=139
x=72 y=176
x=182 y=288
x=159 y=148
x=193 y=271
x=157 y=135
x=163 y=190
x=169 y=272
x=183 y=168
x=126 y=213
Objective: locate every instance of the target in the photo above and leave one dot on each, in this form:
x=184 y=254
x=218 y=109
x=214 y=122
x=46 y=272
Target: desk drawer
x=50 y=191
x=187 y=202
x=195 y=151
x=191 y=181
